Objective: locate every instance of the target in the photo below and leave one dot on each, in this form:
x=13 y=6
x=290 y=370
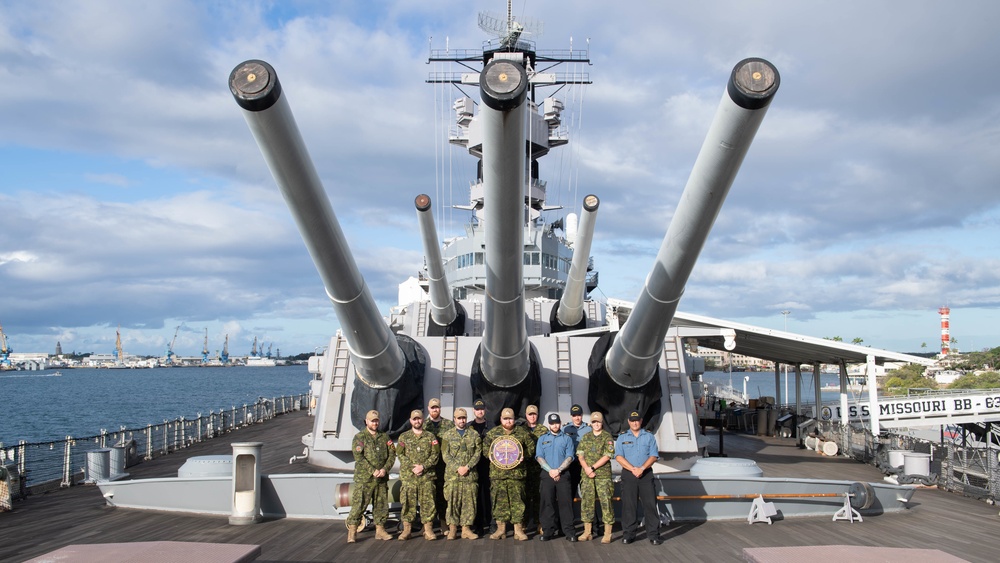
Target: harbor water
x=761 y=384
x=40 y=407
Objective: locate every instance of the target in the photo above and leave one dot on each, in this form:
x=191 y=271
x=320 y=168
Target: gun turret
x=504 y=87
x=378 y=359
x=631 y=362
x=444 y=312
x=569 y=315
x=504 y=360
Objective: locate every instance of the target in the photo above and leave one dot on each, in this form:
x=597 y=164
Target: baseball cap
x=417 y=413
x=506 y=413
x=532 y=409
x=435 y=402
x=554 y=418
x=479 y=404
x=576 y=410
x=460 y=413
x=634 y=415
x=372 y=415
x=596 y=417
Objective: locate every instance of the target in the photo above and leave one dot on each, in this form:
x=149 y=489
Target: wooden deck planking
x=937 y=520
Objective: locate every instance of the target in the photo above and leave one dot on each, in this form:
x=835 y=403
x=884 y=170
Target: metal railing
x=970 y=468
x=48 y=465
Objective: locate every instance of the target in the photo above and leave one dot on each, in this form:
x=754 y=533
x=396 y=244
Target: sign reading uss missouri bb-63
x=926 y=410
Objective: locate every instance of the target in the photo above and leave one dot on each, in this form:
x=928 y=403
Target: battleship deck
x=939 y=520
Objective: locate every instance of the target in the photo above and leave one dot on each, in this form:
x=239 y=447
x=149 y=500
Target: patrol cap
x=597 y=417
x=372 y=415
x=506 y=413
x=479 y=405
x=460 y=413
x=435 y=402
x=417 y=413
x=576 y=410
x=532 y=409
x=633 y=416
x=554 y=418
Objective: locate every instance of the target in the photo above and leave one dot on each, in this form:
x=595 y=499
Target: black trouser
x=635 y=490
x=484 y=512
x=556 y=496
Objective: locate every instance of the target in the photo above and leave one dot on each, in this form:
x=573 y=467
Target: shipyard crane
x=268 y=349
x=119 y=353
x=253 y=350
x=225 y=351
x=5 y=350
x=170 y=349
x=204 y=349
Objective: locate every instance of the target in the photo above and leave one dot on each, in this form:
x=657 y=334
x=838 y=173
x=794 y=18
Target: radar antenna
x=506 y=29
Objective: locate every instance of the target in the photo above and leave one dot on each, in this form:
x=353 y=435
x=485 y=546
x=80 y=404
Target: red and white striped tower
x=945 y=312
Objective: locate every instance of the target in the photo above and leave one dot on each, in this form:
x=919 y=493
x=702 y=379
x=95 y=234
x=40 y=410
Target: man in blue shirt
x=555 y=453
x=637 y=451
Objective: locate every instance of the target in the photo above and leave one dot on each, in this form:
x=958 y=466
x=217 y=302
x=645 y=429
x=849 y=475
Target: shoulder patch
x=359 y=448
x=434 y=442
x=388 y=443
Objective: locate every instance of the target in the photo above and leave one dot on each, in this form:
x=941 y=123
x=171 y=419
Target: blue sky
x=132 y=194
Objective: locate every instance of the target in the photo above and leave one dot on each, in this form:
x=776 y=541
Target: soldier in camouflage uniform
x=419 y=452
x=533 y=480
x=461 y=453
x=595 y=452
x=374 y=454
x=438 y=425
x=507 y=474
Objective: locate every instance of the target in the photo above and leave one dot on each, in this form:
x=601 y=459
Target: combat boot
x=607 y=533
x=381 y=534
x=468 y=534
x=352 y=533
x=501 y=532
x=429 y=534
x=519 y=532
x=586 y=535
x=407 y=530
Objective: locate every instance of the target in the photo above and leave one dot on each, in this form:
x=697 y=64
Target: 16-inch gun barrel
x=505 y=353
x=376 y=354
x=637 y=347
x=570 y=311
x=443 y=310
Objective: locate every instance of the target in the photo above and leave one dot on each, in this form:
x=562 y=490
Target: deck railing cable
x=958 y=463
x=37 y=467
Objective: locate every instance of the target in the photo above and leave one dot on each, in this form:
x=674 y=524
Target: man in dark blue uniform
x=484 y=513
x=637 y=451
x=555 y=453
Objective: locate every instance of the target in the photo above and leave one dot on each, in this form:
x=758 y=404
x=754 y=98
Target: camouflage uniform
x=507 y=485
x=418 y=489
x=461 y=490
x=532 y=482
x=439 y=428
x=599 y=488
x=371 y=453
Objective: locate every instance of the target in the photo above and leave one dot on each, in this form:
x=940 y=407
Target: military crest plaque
x=506 y=452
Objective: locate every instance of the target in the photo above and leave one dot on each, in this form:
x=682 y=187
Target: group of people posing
x=523 y=473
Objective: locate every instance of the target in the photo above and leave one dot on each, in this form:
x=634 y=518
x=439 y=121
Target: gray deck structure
x=955 y=525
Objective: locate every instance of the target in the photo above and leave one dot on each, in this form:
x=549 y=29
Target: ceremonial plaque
x=506 y=452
